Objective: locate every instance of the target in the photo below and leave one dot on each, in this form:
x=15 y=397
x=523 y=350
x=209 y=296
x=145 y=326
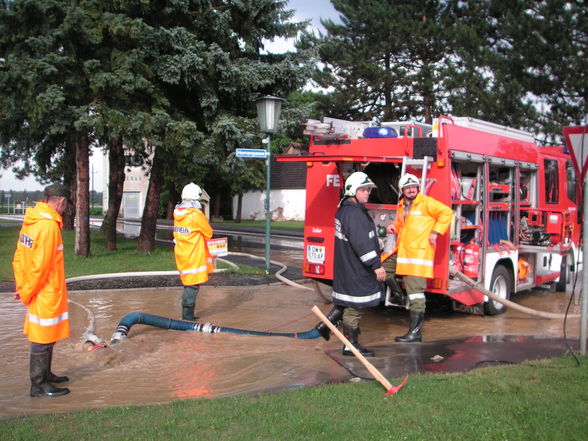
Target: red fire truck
x=515 y=203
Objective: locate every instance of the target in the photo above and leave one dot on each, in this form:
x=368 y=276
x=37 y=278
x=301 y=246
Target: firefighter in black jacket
x=358 y=271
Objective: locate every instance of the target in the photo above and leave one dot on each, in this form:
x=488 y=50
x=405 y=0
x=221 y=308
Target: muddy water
x=158 y=366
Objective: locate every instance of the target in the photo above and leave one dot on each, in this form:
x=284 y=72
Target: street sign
x=251 y=153
x=577 y=142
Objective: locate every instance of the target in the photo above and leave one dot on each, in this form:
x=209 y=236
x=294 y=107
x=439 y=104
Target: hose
x=143 y=318
x=278 y=273
x=549 y=315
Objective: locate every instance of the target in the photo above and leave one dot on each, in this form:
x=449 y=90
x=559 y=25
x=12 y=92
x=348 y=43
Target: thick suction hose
x=180 y=325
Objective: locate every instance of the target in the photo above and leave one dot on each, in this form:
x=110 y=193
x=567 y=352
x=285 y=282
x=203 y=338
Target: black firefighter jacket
x=357 y=255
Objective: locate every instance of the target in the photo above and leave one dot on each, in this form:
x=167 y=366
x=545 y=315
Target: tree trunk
x=172 y=199
x=116 y=180
x=217 y=204
x=146 y=240
x=82 y=234
x=239 y=206
x=69 y=179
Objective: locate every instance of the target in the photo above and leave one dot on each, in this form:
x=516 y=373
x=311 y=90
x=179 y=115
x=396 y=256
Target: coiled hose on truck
x=143 y=318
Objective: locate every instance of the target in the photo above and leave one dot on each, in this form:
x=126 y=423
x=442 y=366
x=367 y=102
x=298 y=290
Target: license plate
x=315 y=254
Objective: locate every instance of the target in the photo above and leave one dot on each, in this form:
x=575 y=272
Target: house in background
x=287 y=192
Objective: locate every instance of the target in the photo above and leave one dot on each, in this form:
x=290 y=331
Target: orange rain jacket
x=40 y=275
x=191 y=231
x=415 y=253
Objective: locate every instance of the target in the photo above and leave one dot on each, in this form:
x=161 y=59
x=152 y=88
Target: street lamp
x=268 y=114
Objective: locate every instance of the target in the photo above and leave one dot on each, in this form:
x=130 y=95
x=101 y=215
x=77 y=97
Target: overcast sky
x=305 y=9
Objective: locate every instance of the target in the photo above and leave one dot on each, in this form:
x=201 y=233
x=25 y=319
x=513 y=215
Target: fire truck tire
x=565 y=274
x=500 y=285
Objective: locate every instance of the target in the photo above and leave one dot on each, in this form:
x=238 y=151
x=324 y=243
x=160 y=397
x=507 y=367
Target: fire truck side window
x=571 y=180
x=551 y=181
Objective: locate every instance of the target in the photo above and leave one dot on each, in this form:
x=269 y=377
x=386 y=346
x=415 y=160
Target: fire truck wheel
x=565 y=276
x=500 y=285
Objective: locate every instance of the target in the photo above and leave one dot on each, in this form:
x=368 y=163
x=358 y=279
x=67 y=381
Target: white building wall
x=285 y=205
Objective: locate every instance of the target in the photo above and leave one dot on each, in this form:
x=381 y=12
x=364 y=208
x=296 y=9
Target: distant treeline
x=12 y=196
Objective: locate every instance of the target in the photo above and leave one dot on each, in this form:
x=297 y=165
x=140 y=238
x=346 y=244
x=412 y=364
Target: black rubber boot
x=397 y=295
x=334 y=316
x=188 y=313
x=39 y=370
x=417 y=319
x=189 y=302
x=351 y=335
x=51 y=377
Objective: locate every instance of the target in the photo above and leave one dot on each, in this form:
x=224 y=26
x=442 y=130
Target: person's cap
x=57 y=190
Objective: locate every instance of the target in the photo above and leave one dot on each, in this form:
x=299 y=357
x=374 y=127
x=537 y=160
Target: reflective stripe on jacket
x=40 y=275
x=357 y=255
x=191 y=231
x=415 y=253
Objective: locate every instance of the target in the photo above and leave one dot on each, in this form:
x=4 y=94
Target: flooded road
x=157 y=366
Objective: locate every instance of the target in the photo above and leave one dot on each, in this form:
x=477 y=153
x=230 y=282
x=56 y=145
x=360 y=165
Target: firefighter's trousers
x=415 y=286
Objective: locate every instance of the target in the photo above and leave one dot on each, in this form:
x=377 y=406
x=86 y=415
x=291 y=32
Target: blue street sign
x=251 y=153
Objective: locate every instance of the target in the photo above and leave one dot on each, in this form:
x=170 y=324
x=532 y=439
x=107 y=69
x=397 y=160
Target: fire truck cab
x=515 y=223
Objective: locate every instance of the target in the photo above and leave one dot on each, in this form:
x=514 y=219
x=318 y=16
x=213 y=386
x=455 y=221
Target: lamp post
x=268 y=114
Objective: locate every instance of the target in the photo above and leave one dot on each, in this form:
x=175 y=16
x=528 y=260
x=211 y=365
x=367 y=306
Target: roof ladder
x=422 y=163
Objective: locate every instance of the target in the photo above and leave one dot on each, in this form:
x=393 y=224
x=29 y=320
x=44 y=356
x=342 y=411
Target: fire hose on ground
x=471 y=283
x=135 y=318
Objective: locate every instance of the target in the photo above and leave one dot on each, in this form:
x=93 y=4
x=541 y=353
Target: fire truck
x=515 y=203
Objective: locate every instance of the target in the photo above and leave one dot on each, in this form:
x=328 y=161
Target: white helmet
x=357 y=180
x=191 y=192
x=408 y=179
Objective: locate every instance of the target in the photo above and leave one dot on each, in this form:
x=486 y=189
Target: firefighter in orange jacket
x=40 y=285
x=193 y=260
x=419 y=221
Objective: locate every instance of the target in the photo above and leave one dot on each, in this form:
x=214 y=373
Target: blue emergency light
x=380 y=132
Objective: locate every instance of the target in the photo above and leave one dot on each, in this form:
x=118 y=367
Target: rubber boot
x=189 y=302
x=39 y=370
x=188 y=313
x=396 y=296
x=51 y=377
x=351 y=335
x=334 y=316
x=416 y=321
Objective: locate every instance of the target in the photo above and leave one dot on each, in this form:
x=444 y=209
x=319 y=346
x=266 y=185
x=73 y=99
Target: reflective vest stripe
x=416 y=296
x=355 y=299
x=408 y=261
x=368 y=256
x=194 y=270
x=45 y=322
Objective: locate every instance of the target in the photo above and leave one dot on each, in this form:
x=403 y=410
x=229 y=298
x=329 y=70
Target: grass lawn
x=534 y=401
